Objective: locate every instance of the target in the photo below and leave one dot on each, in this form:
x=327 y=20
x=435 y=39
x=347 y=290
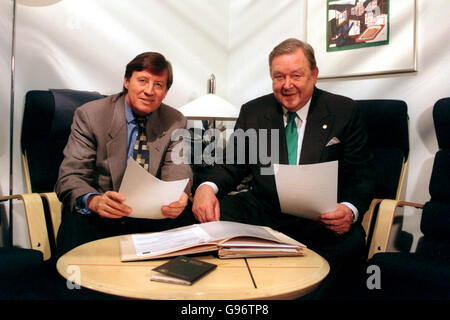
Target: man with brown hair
x=104 y=136
x=322 y=127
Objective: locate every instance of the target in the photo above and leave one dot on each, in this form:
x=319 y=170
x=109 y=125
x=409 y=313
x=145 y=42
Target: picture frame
x=397 y=55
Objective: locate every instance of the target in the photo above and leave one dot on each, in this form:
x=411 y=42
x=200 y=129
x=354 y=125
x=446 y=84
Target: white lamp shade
x=210 y=106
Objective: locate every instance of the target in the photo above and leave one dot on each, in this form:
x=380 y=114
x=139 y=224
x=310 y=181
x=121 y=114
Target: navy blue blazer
x=330 y=116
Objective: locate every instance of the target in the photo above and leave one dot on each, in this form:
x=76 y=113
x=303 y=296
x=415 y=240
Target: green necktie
x=291 y=138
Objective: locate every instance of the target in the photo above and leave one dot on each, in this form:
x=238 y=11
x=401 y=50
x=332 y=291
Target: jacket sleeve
x=356 y=169
x=76 y=173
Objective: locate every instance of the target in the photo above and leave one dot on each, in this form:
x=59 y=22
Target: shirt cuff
x=81 y=203
x=354 y=211
x=212 y=185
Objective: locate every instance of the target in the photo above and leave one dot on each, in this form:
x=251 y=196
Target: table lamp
x=210 y=107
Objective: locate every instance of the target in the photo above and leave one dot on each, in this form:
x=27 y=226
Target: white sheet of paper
x=307 y=190
x=163 y=242
x=146 y=194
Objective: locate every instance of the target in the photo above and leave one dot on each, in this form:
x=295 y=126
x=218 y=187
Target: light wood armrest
x=368 y=216
x=54 y=206
x=37 y=229
x=383 y=224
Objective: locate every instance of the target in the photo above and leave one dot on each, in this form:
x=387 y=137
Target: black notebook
x=182 y=270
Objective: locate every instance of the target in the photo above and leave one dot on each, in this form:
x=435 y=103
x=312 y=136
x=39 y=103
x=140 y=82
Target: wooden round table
x=96 y=265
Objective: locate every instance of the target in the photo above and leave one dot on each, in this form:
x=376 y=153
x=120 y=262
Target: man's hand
x=109 y=205
x=206 y=205
x=339 y=220
x=174 y=209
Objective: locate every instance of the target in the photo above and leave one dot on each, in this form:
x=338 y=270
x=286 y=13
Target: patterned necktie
x=291 y=138
x=140 y=150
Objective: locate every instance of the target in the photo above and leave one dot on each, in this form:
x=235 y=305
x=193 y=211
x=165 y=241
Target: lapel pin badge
x=324 y=127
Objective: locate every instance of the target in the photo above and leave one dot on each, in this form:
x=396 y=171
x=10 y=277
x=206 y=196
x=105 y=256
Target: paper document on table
x=163 y=242
x=307 y=190
x=229 y=239
x=146 y=194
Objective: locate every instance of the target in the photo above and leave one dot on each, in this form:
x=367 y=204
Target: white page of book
x=163 y=242
x=219 y=230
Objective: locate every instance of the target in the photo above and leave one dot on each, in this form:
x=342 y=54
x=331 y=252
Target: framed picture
x=362 y=37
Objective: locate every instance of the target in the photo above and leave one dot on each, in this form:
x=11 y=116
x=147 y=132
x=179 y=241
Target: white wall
x=255 y=28
x=85 y=44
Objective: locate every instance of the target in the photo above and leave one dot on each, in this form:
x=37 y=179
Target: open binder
x=230 y=239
